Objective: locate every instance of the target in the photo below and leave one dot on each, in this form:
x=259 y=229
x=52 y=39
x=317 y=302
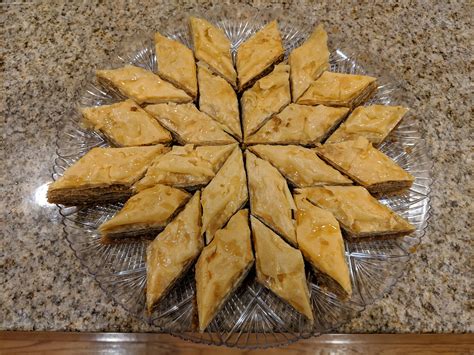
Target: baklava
x=338 y=89
x=224 y=195
x=103 y=175
x=125 y=124
x=257 y=55
x=266 y=97
x=218 y=99
x=359 y=214
x=367 y=166
x=189 y=125
x=144 y=214
x=280 y=268
x=308 y=62
x=270 y=197
x=299 y=124
x=173 y=252
x=212 y=46
x=222 y=266
x=300 y=166
x=142 y=86
x=176 y=64
x=373 y=122
x=186 y=166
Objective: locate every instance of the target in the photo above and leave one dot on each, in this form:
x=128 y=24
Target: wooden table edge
x=22 y=342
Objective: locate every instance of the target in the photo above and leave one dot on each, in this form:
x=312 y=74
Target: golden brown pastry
x=267 y=96
x=212 y=46
x=308 y=61
x=338 y=89
x=320 y=241
x=301 y=166
x=257 y=55
x=176 y=64
x=270 y=197
x=280 y=268
x=222 y=267
x=173 y=252
x=189 y=125
x=359 y=214
x=142 y=86
x=366 y=165
x=225 y=194
x=373 y=122
x=145 y=213
x=299 y=124
x=218 y=99
x=186 y=167
x=125 y=124
x=103 y=175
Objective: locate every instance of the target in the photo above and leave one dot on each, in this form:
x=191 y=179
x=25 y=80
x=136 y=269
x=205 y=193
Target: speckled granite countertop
x=48 y=47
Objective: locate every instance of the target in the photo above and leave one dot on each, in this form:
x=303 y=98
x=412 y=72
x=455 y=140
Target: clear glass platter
x=253 y=317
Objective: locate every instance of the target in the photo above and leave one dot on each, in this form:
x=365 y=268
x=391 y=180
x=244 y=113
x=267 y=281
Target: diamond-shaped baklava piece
x=189 y=125
x=366 y=165
x=373 y=122
x=301 y=166
x=142 y=86
x=280 y=268
x=173 y=252
x=299 y=124
x=320 y=240
x=145 y=213
x=218 y=99
x=270 y=197
x=103 y=175
x=308 y=61
x=224 y=195
x=359 y=214
x=265 y=98
x=125 y=124
x=176 y=64
x=222 y=266
x=212 y=46
x=338 y=89
x=186 y=167
x=257 y=55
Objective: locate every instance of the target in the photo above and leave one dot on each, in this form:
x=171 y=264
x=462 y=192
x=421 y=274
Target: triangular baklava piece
x=299 y=124
x=280 y=268
x=189 y=125
x=359 y=214
x=270 y=197
x=142 y=86
x=103 y=175
x=222 y=266
x=308 y=61
x=176 y=64
x=320 y=240
x=267 y=96
x=373 y=122
x=212 y=46
x=218 y=99
x=367 y=166
x=125 y=124
x=173 y=252
x=145 y=213
x=338 y=89
x=257 y=55
x=225 y=194
x=301 y=166
x=186 y=167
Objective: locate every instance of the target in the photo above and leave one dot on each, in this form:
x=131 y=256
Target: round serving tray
x=253 y=317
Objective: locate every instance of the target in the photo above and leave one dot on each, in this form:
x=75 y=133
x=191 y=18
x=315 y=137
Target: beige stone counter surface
x=49 y=47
